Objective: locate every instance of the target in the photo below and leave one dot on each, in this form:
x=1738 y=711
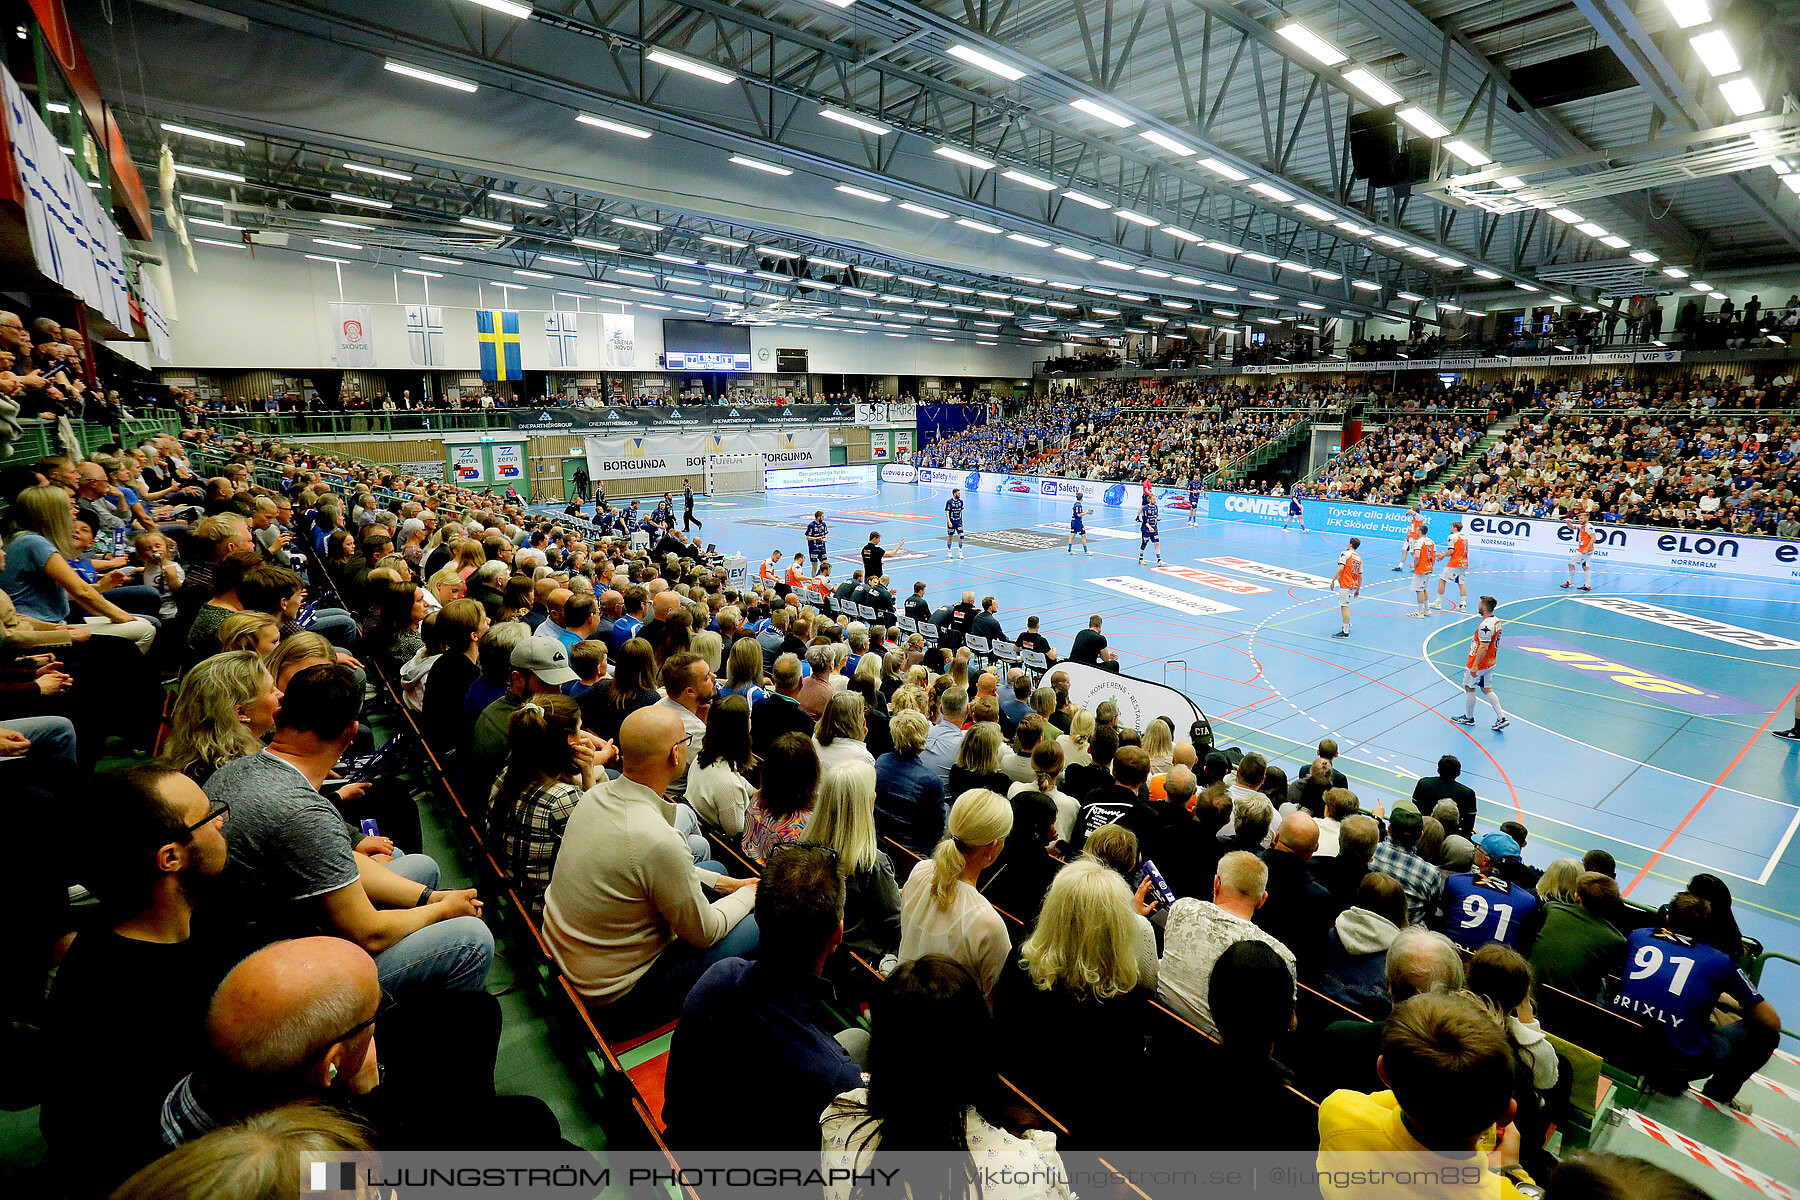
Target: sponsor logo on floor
x=1672 y=692
x=1262 y=570
x=1013 y=541
x=1220 y=583
x=1156 y=593
x=1719 y=631
x=1123 y=535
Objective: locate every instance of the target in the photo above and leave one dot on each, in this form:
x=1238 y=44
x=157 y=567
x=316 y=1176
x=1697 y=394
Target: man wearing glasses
x=154 y=842
x=689 y=688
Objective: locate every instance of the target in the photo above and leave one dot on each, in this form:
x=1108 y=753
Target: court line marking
x=1712 y=787
x=1708 y=795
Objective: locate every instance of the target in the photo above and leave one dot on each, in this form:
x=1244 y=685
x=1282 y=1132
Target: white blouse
x=969 y=931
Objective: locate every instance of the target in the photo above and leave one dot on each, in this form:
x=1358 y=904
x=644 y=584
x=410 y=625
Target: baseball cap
x=1498 y=845
x=1403 y=820
x=547 y=659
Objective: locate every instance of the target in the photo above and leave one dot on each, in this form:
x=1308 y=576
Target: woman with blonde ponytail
x=941 y=912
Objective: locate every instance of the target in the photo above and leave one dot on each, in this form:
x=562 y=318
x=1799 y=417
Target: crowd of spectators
x=968 y=842
x=1389 y=461
x=1734 y=474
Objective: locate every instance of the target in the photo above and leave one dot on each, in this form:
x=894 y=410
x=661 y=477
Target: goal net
x=734 y=473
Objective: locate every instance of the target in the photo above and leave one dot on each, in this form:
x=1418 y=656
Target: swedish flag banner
x=497 y=332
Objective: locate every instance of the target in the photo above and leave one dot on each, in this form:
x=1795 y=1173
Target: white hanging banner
x=154 y=322
x=425 y=334
x=618 y=337
x=73 y=239
x=559 y=331
x=355 y=337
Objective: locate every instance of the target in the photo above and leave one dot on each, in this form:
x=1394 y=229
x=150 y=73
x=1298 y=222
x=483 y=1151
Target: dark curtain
x=329 y=385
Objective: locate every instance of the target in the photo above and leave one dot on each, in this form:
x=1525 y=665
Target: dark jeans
x=1738 y=1051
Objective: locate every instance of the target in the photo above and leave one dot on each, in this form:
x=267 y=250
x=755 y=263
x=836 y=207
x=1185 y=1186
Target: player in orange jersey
x=1415 y=529
x=1584 y=551
x=1484 y=652
x=797 y=578
x=1456 y=561
x=1424 y=559
x=1348 y=582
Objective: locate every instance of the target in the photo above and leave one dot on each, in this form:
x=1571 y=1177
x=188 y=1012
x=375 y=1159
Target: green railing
x=37 y=437
x=342 y=423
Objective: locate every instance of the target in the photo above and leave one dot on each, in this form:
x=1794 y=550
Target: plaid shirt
x=1418 y=878
x=183 y=1119
x=532 y=834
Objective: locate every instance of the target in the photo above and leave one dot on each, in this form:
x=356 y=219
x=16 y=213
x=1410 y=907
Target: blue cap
x=1498 y=845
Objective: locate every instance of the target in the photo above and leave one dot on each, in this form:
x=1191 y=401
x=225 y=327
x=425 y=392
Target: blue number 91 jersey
x=1479 y=909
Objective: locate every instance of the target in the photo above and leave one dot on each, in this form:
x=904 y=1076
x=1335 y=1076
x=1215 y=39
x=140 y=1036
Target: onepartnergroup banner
x=1663 y=549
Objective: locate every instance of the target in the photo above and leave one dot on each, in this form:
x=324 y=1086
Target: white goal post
x=734 y=473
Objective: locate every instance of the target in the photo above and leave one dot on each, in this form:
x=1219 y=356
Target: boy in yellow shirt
x=1450 y=1072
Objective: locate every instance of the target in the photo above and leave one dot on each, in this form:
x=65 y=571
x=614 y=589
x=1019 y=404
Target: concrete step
x=1754 y=1140
x=1719 y=1175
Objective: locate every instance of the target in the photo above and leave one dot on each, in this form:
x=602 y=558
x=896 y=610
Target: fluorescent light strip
x=986 y=62
x=608 y=123
x=342 y=224
x=1026 y=239
x=327 y=242
x=977 y=226
x=448 y=262
x=1741 y=96
x=1715 y=53
x=205 y=134
x=1101 y=112
x=412 y=72
x=1090 y=201
x=524 y=274
x=1372 y=86
x=218 y=242
x=1182 y=234
x=1311 y=43
x=222 y=176
x=633 y=223
x=561 y=261
x=1224 y=169
x=482 y=223
x=756 y=164
x=364 y=201
x=964 y=157
x=700 y=70
x=378 y=172
x=511 y=8
x=1315 y=212
x=1423 y=121
x=209 y=223
x=1033 y=181
x=1157 y=137
x=845 y=117
x=1468 y=153
x=342 y=262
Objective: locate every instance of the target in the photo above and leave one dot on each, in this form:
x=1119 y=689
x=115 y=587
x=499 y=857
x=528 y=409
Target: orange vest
x=1426 y=557
x=1459 y=550
x=796 y=577
x=1483 y=655
x=1584 y=539
x=1418 y=526
x=1349 y=572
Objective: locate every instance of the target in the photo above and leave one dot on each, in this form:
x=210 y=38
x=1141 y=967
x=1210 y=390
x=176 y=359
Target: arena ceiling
x=993 y=168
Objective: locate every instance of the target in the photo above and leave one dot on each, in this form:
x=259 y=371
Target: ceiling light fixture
x=412 y=72
x=855 y=121
x=963 y=156
x=448 y=262
x=1715 y=53
x=986 y=62
x=378 y=172
x=648 y=226
x=1033 y=181
x=1272 y=192
x=1100 y=111
x=207 y=134
x=1311 y=43
x=1468 y=153
x=480 y=223
x=1136 y=218
x=1026 y=239
x=700 y=70
x=1372 y=86
x=610 y=124
x=234 y=177
x=1741 y=96
x=1423 y=121
x=511 y=198
x=977 y=226
x=1225 y=169
x=757 y=164
x=1157 y=137
x=347 y=198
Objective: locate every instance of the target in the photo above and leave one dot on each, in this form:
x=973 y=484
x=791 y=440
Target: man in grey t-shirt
x=296 y=867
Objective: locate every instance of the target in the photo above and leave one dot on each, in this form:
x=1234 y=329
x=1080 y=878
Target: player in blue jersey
x=816 y=531
x=1674 y=980
x=953 y=525
x=1480 y=907
x=1193 y=499
x=1078 y=527
x=1147 y=533
x=1295 y=513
